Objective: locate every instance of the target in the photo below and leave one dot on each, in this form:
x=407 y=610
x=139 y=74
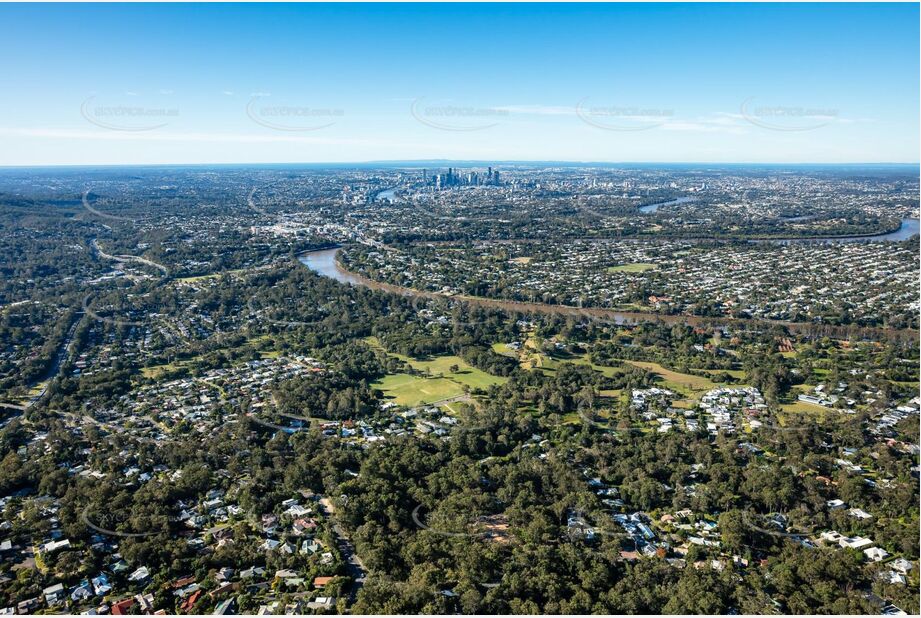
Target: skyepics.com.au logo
x=488 y=526
x=300 y=424
x=580 y=527
x=101 y=314
x=280 y=116
x=111 y=523
x=267 y=314
x=117 y=310
x=251 y=202
x=98 y=213
x=777 y=525
x=621 y=117
x=458 y=118
x=786 y=118
x=127 y=116
x=443 y=311
x=603 y=419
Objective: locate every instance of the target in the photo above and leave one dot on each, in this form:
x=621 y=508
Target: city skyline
x=280 y=84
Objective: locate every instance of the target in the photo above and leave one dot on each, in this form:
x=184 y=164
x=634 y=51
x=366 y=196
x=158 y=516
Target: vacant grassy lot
x=738 y=374
x=681 y=382
x=158 y=371
x=637 y=267
x=804 y=407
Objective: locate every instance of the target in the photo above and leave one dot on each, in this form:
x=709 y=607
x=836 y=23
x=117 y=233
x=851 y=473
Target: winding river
x=386 y=194
x=324 y=263
x=654 y=207
x=907 y=229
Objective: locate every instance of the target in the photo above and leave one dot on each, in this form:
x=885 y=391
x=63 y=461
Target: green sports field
x=406 y=390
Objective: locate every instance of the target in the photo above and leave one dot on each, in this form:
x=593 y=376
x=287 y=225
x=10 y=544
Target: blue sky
x=139 y=84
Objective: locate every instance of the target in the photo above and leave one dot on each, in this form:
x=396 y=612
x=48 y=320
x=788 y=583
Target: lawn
x=681 y=382
x=406 y=390
x=637 y=267
x=542 y=361
x=198 y=278
x=257 y=343
x=530 y=356
x=504 y=350
x=158 y=371
x=24 y=399
x=738 y=374
x=453 y=408
x=466 y=374
x=572 y=419
x=608 y=372
x=803 y=406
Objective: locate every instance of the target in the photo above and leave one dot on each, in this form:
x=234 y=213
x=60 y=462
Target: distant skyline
x=146 y=84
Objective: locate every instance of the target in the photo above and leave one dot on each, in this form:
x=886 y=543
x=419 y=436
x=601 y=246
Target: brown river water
x=324 y=262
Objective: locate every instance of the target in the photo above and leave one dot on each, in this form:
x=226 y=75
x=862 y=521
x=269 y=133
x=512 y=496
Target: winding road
x=128 y=258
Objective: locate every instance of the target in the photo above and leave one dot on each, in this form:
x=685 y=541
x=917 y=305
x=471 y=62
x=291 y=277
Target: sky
x=110 y=84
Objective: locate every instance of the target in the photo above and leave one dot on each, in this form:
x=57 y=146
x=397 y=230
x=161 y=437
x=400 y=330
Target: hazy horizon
x=120 y=84
x=422 y=163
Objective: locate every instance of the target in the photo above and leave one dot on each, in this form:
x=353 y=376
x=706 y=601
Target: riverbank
x=326 y=263
x=907 y=228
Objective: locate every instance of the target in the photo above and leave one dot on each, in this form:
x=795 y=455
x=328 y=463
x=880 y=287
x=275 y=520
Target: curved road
x=128 y=258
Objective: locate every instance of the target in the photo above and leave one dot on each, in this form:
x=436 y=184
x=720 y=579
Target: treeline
x=326 y=395
x=489 y=361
